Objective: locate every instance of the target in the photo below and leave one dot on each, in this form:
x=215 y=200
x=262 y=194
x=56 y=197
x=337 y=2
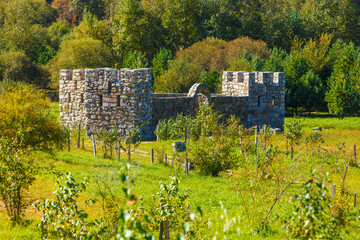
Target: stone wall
x=104 y=98
x=107 y=98
x=266 y=93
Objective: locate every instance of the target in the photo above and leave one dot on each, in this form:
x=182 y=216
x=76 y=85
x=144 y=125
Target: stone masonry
x=104 y=98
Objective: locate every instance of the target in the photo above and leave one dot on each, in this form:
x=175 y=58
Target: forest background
x=316 y=43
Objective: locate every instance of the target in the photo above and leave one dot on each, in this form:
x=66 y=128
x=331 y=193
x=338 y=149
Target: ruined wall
x=108 y=98
x=228 y=105
x=169 y=106
x=266 y=95
x=104 y=98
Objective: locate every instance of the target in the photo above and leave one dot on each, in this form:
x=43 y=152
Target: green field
x=233 y=204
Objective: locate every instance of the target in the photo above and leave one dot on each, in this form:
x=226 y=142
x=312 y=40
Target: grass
x=234 y=204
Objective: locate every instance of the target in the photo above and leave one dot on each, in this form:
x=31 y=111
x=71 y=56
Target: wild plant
x=293 y=134
x=314 y=140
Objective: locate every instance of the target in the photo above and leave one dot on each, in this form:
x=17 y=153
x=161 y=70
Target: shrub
x=213 y=155
x=25 y=119
x=211 y=79
x=16 y=66
x=310 y=218
x=17 y=173
x=79 y=53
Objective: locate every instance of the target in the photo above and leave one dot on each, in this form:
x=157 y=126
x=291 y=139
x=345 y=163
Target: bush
x=179 y=77
x=79 y=53
x=17 y=173
x=16 y=66
x=25 y=119
x=211 y=79
x=213 y=155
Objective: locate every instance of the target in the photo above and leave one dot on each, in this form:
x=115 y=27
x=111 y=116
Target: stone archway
x=202 y=94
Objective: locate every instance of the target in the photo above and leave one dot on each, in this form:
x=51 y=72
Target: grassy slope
x=244 y=195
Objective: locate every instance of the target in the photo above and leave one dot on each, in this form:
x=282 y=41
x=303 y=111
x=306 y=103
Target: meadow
x=234 y=205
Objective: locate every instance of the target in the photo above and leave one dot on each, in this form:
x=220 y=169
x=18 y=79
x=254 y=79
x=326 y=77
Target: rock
x=317 y=129
x=179 y=146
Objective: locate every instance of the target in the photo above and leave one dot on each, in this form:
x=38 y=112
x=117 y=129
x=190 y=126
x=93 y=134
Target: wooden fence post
x=161 y=229
x=333 y=189
x=185 y=133
x=354 y=200
x=186 y=164
x=43 y=226
x=256 y=133
x=152 y=156
x=129 y=154
x=172 y=163
x=343 y=180
x=355 y=154
x=157 y=135
x=79 y=135
x=83 y=143
x=69 y=141
x=265 y=138
x=94 y=144
x=165 y=159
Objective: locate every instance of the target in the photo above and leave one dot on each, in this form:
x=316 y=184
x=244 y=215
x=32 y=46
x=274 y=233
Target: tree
x=179 y=77
x=343 y=96
x=79 y=53
x=134 y=60
x=16 y=66
x=161 y=61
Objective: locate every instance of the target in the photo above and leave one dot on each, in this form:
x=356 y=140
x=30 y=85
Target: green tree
x=211 y=79
x=134 y=60
x=313 y=91
x=179 y=77
x=161 y=61
x=16 y=66
x=275 y=62
x=344 y=85
x=79 y=53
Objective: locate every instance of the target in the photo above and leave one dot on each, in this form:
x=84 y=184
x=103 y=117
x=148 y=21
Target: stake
x=69 y=141
x=157 y=135
x=129 y=154
x=43 y=225
x=185 y=133
x=165 y=159
x=119 y=152
x=343 y=180
x=265 y=138
x=186 y=165
x=240 y=145
x=94 y=144
x=167 y=231
x=83 y=143
x=152 y=156
x=256 y=141
x=172 y=163
x=333 y=190
x=354 y=200
x=161 y=229
x=189 y=135
x=79 y=135
x=355 y=153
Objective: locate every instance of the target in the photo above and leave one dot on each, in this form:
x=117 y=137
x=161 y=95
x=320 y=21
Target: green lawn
x=233 y=204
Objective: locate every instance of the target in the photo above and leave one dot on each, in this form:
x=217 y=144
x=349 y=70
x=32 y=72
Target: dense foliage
x=188 y=41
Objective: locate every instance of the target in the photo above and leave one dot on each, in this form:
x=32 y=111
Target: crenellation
x=106 y=97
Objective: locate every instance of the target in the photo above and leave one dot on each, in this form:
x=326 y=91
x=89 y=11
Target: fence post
x=185 y=133
x=83 y=143
x=43 y=225
x=129 y=154
x=94 y=144
x=186 y=165
x=165 y=159
x=79 y=135
x=69 y=140
x=265 y=138
x=152 y=156
x=157 y=135
x=172 y=163
x=355 y=154
x=354 y=200
x=189 y=135
x=333 y=189
x=161 y=229
x=256 y=133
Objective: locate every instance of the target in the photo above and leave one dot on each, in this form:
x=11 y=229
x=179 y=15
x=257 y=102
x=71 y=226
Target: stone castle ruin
x=104 y=98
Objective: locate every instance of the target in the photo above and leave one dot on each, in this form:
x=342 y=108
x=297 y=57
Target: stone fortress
x=105 y=97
